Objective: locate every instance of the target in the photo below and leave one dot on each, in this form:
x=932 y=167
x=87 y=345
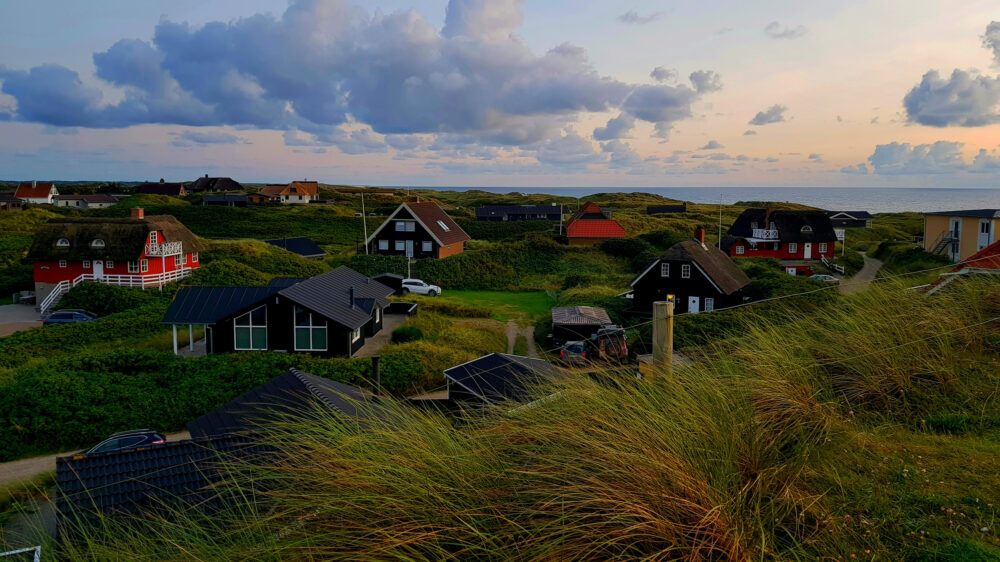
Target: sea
x=871 y=199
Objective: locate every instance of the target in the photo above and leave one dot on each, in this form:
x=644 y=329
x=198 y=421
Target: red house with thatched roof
x=139 y=251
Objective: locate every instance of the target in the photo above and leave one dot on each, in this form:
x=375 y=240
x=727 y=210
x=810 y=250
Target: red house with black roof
x=418 y=230
x=797 y=238
x=591 y=225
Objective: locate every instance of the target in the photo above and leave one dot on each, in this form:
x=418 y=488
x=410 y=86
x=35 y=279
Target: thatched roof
x=124 y=239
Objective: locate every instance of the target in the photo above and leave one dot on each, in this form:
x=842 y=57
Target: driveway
x=17 y=317
x=389 y=323
x=863 y=279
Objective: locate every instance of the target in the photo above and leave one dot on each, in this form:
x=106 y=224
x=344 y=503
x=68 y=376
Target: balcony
x=165 y=249
x=762 y=234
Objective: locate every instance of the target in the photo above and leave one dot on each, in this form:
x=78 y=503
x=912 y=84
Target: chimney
x=699 y=235
x=161 y=180
x=137 y=213
x=34 y=183
x=350 y=294
x=206 y=176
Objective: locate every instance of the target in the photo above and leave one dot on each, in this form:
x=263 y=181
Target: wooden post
x=663 y=333
x=175 y=339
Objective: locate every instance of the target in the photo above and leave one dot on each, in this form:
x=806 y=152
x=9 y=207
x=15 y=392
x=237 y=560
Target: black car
x=69 y=316
x=128 y=440
x=574 y=353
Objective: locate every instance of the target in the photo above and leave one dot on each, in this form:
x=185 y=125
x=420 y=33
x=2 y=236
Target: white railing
x=164 y=249
x=832 y=266
x=140 y=281
x=765 y=234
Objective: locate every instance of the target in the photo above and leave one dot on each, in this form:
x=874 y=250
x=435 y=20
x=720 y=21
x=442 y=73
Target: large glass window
x=310 y=331
x=400 y=245
x=251 y=330
x=383 y=244
x=426 y=246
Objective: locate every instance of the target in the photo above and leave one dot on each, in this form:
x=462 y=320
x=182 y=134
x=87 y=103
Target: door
x=409 y=248
x=985 y=233
x=807 y=250
x=98 y=270
x=955 y=233
x=693 y=305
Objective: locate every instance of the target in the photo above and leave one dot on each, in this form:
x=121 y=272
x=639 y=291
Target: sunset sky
x=503 y=92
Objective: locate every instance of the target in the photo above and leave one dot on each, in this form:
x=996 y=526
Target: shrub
x=227 y=273
x=405 y=334
x=625 y=247
x=663 y=239
x=104 y=299
x=264 y=258
x=452 y=308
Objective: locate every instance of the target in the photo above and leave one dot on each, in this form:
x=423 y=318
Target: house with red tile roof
x=591 y=225
x=294 y=193
x=418 y=230
x=37 y=192
x=983 y=262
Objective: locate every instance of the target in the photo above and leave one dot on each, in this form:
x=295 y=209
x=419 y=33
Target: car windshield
x=576 y=348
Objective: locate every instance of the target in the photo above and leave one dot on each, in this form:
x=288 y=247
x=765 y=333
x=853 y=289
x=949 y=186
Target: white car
x=418 y=287
x=824 y=277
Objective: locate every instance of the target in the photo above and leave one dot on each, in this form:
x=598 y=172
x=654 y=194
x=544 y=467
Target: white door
x=807 y=250
x=693 y=305
x=985 y=233
x=409 y=248
x=98 y=270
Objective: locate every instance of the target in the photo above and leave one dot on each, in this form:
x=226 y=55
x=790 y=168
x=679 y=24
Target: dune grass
x=810 y=437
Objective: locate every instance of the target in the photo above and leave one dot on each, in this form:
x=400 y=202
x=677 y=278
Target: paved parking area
x=389 y=323
x=17 y=317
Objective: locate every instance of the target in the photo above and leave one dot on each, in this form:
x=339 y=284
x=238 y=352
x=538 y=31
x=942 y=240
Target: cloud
x=861 y=168
x=966 y=99
x=569 y=150
x=816 y=158
x=775 y=30
x=773 y=114
x=874 y=120
x=324 y=67
x=712 y=145
x=616 y=128
x=941 y=157
x=985 y=162
x=749 y=132
x=991 y=40
x=632 y=17
x=661 y=74
x=724 y=30
x=202 y=138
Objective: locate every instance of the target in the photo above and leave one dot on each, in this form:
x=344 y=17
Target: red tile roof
x=987 y=258
x=595 y=229
x=40 y=190
x=430 y=214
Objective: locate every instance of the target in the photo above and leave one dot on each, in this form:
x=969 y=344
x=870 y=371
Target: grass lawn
x=6 y=300
x=523 y=307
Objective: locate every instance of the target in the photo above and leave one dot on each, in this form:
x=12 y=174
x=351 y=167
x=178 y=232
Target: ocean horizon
x=871 y=199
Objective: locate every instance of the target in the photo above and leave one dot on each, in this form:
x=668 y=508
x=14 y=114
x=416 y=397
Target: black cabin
x=503 y=213
x=850 y=219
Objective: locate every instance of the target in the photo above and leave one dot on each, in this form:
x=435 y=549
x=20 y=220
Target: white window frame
x=144 y=266
x=110 y=264
x=400 y=245
x=709 y=304
x=685 y=271
x=806 y=228
x=355 y=335
x=62 y=243
x=97 y=243
x=250 y=327
x=86 y=264
x=822 y=247
x=740 y=250
x=133 y=267
x=177 y=260
x=378 y=314
x=194 y=257
x=406 y=226
x=443 y=226
x=427 y=246
x=312 y=326
x=383 y=245
x=793 y=247
x=62 y=264
x=185 y=260
x=664 y=269
x=153 y=238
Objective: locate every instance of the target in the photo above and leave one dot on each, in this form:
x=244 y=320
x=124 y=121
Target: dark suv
x=128 y=440
x=69 y=316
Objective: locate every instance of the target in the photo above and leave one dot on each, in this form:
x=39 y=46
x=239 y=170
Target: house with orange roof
x=294 y=193
x=591 y=225
x=983 y=262
x=37 y=192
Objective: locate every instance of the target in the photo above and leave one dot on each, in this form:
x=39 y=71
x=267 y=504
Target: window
x=177 y=261
x=310 y=331
x=406 y=226
x=822 y=247
x=194 y=257
x=400 y=226
x=427 y=247
x=145 y=266
x=807 y=228
x=152 y=238
x=709 y=305
x=383 y=244
x=400 y=245
x=443 y=226
x=378 y=315
x=62 y=263
x=250 y=330
x=664 y=270
x=793 y=247
x=739 y=250
x=753 y=225
x=133 y=267
x=62 y=243
x=109 y=264
x=97 y=243
x=355 y=335
x=984 y=227
x=685 y=271
x=185 y=259
x=86 y=264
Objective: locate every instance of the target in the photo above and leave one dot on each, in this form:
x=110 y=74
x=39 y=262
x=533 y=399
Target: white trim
x=705 y=302
x=353 y=337
x=312 y=326
x=740 y=249
x=250 y=327
x=383 y=245
x=685 y=271
x=415 y=217
x=643 y=274
x=709 y=277
x=793 y=247
x=663 y=265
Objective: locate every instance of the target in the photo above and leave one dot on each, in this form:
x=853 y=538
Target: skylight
x=443 y=226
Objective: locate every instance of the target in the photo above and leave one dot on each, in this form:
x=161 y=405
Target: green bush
x=227 y=273
x=663 y=239
x=625 y=247
x=102 y=299
x=496 y=231
x=263 y=257
x=452 y=308
x=405 y=334
x=906 y=258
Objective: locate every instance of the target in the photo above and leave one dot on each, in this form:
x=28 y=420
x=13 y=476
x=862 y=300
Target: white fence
x=165 y=249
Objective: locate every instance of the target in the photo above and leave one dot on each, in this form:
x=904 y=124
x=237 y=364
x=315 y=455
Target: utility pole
x=663 y=333
x=719 y=244
x=364 y=220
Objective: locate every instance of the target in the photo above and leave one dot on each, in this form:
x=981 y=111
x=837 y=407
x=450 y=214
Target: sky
x=642 y=93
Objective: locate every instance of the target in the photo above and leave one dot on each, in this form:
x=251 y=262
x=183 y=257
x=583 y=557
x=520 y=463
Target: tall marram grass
x=717 y=460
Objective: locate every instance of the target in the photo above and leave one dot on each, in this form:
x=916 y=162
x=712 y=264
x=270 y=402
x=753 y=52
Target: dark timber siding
x=418 y=236
x=652 y=287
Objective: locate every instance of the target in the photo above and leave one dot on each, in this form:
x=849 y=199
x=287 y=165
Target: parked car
x=574 y=353
x=825 y=277
x=69 y=316
x=418 y=287
x=128 y=440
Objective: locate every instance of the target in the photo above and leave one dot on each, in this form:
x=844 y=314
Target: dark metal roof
x=292 y=392
x=161 y=188
x=580 y=315
x=329 y=294
x=859 y=215
x=789 y=225
x=301 y=246
x=974 y=213
x=500 y=376
x=658 y=209
x=719 y=268
x=501 y=210
x=124 y=481
x=284 y=282
x=214 y=184
x=208 y=305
